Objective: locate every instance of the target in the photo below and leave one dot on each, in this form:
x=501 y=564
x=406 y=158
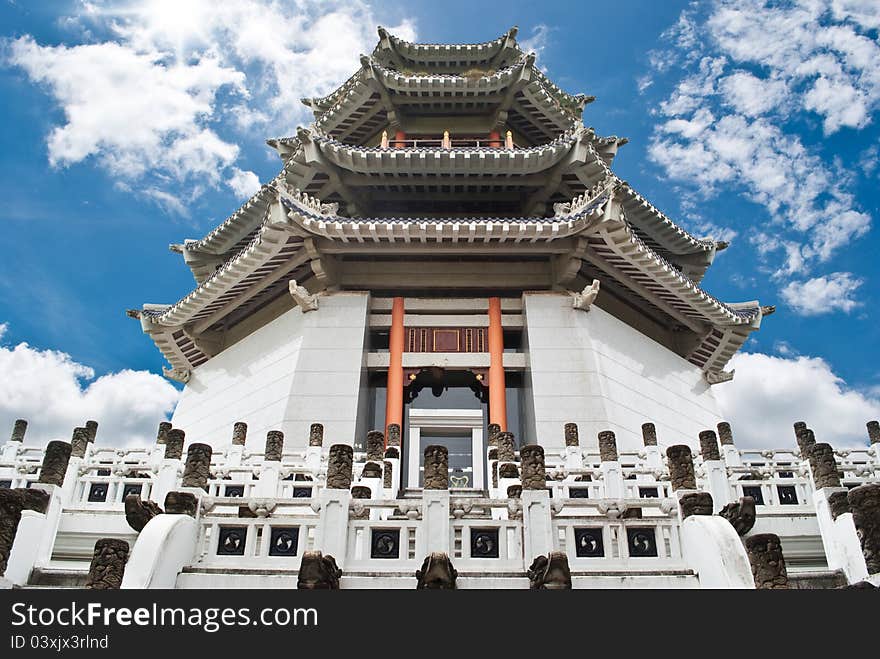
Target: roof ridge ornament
x=586 y=297
x=301 y=296
x=717 y=377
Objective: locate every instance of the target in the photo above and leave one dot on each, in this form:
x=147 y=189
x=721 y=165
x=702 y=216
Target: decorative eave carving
x=717 y=377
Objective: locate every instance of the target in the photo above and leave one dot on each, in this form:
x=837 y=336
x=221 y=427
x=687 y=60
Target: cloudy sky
x=129 y=125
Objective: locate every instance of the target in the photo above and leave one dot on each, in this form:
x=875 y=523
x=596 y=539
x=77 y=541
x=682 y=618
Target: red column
x=394 y=395
x=495 y=139
x=399 y=138
x=497 y=393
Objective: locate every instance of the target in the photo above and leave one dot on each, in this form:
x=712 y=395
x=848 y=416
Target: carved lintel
x=717 y=377
x=586 y=297
x=306 y=301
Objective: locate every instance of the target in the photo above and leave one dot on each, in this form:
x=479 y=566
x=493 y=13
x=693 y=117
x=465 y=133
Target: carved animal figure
x=318 y=572
x=740 y=514
x=586 y=297
x=550 y=572
x=437 y=573
x=138 y=513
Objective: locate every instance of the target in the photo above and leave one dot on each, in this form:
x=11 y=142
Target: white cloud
x=243 y=184
x=163 y=89
x=751 y=68
x=56 y=394
x=821 y=295
x=770 y=393
x=537 y=42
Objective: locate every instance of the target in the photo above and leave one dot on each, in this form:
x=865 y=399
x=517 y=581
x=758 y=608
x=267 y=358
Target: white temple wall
x=296 y=370
x=595 y=370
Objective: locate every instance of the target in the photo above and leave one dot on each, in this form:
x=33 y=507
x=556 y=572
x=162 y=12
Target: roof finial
x=508 y=140
x=384 y=139
x=512 y=32
x=383 y=33
x=447 y=143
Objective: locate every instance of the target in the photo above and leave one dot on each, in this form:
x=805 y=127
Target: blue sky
x=131 y=125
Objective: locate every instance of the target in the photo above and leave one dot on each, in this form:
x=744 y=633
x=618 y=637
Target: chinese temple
x=445 y=347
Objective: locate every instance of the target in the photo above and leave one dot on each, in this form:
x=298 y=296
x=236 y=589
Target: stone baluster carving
x=55 y=459
x=108 y=564
x=92 y=428
x=316 y=434
x=725 y=434
x=19 y=428
x=741 y=515
x=339 y=464
x=162 y=433
x=394 y=435
x=79 y=442
x=12 y=503
x=864 y=502
x=197 y=469
x=375 y=446
x=174 y=444
x=607 y=446
x=239 y=433
x=709 y=445
x=768 y=563
x=534 y=476
x=387 y=474
x=436 y=468
x=681 y=467
x=824 y=466
x=805 y=439
x=514 y=491
x=649 y=434
x=494 y=430
x=838 y=503
x=571 y=434
x=873 y=431
x=274 y=446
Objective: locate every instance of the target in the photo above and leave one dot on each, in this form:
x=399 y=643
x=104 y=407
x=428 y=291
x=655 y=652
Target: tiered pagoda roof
x=438 y=151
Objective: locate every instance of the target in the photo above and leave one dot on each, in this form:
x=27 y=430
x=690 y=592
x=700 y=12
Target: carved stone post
x=574 y=458
x=649 y=434
x=55 y=461
x=19 y=428
x=361 y=492
x=681 y=467
x=79 y=442
x=768 y=563
x=197 y=470
x=394 y=435
x=436 y=468
x=339 y=463
x=534 y=475
x=607 y=446
x=387 y=474
x=10 y=515
x=571 y=434
x=506 y=447
x=138 y=512
x=316 y=434
x=864 y=501
x=653 y=457
x=375 y=446
x=174 y=444
x=239 y=433
x=314 y=450
x=612 y=475
x=695 y=503
x=716 y=471
x=805 y=439
x=274 y=446
x=550 y=572
x=92 y=428
x=318 y=572
x=824 y=466
x=162 y=432
x=729 y=452
x=494 y=430
x=108 y=564
x=873 y=431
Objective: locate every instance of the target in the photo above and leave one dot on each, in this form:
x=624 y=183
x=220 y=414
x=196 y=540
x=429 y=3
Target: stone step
x=817 y=580
x=57 y=578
